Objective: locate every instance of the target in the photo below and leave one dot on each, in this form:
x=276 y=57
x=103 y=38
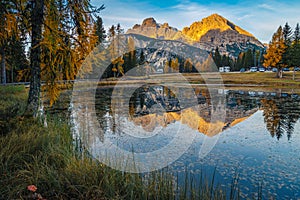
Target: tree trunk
x=37 y=15
x=12 y=73
x=3 y=69
x=294 y=72
x=279 y=73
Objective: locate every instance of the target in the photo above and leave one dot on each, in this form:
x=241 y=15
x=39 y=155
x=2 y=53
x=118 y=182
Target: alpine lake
x=249 y=136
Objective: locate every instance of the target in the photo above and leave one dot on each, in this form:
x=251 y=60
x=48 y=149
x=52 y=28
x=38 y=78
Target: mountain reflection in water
x=157 y=106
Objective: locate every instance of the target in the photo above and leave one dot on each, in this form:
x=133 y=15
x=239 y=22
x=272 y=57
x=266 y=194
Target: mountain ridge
x=210 y=33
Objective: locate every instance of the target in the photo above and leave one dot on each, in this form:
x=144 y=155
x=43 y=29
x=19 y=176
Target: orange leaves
x=276 y=49
x=8 y=27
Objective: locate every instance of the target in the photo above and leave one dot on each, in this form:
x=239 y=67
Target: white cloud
x=120 y=19
x=266 y=6
x=244 y=17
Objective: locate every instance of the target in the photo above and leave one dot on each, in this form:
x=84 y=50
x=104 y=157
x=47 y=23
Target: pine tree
x=100 y=31
x=142 y=57
x=225 y=60
x=287 y=36
x=296 y=35
x=217 y=58
x=294 y=53
x=141 y=61
x=112 y=48
x=239 y=62
x=119 y=32
x=273 y=56
x=248 y=60
x=261 y=58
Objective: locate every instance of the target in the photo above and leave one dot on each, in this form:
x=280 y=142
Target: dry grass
x=263 y=79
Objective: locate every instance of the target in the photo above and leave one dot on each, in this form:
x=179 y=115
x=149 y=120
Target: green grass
x=12 y=105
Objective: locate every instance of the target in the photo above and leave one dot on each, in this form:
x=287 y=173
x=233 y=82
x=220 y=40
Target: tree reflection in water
x=281 y=115
x=148 y=103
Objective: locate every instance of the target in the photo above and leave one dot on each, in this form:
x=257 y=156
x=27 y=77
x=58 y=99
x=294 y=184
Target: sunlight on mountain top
x=212 y=22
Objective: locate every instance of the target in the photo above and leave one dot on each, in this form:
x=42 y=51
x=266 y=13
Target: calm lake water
x=252 y=134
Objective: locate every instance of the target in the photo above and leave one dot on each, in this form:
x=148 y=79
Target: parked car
x=227 y=69
x=297 y=69
x=242 y=70
x=274 y=70
x=159 y=71
x=261 y=69
x=253 y=69
x=224 y=69
x=286 y=69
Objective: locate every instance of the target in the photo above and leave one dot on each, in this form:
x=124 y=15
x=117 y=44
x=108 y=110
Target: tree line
x=284 y=49
x=250 y=58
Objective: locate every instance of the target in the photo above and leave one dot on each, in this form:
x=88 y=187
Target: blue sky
x=259 y=17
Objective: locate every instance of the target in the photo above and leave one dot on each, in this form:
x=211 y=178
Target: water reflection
x=281 y=115
x=248 y=135
x=281 y=111
x=153 y=106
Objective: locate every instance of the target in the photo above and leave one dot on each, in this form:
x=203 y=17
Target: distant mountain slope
x=212 y=32
x=160 y=51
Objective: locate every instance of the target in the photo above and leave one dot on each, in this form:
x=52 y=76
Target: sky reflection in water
x=259 y=140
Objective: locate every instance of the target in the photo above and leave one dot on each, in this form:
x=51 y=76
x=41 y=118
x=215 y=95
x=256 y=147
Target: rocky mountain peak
x=150 y=28
x=212 y=22
x=165 y=25
x=149 y=22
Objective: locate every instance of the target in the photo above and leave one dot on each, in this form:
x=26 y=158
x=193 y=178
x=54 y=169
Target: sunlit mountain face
x=213 y=22
x=208 y=34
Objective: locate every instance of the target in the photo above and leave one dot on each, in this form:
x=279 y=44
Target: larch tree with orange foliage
x=62 y=35
x=275 y=52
